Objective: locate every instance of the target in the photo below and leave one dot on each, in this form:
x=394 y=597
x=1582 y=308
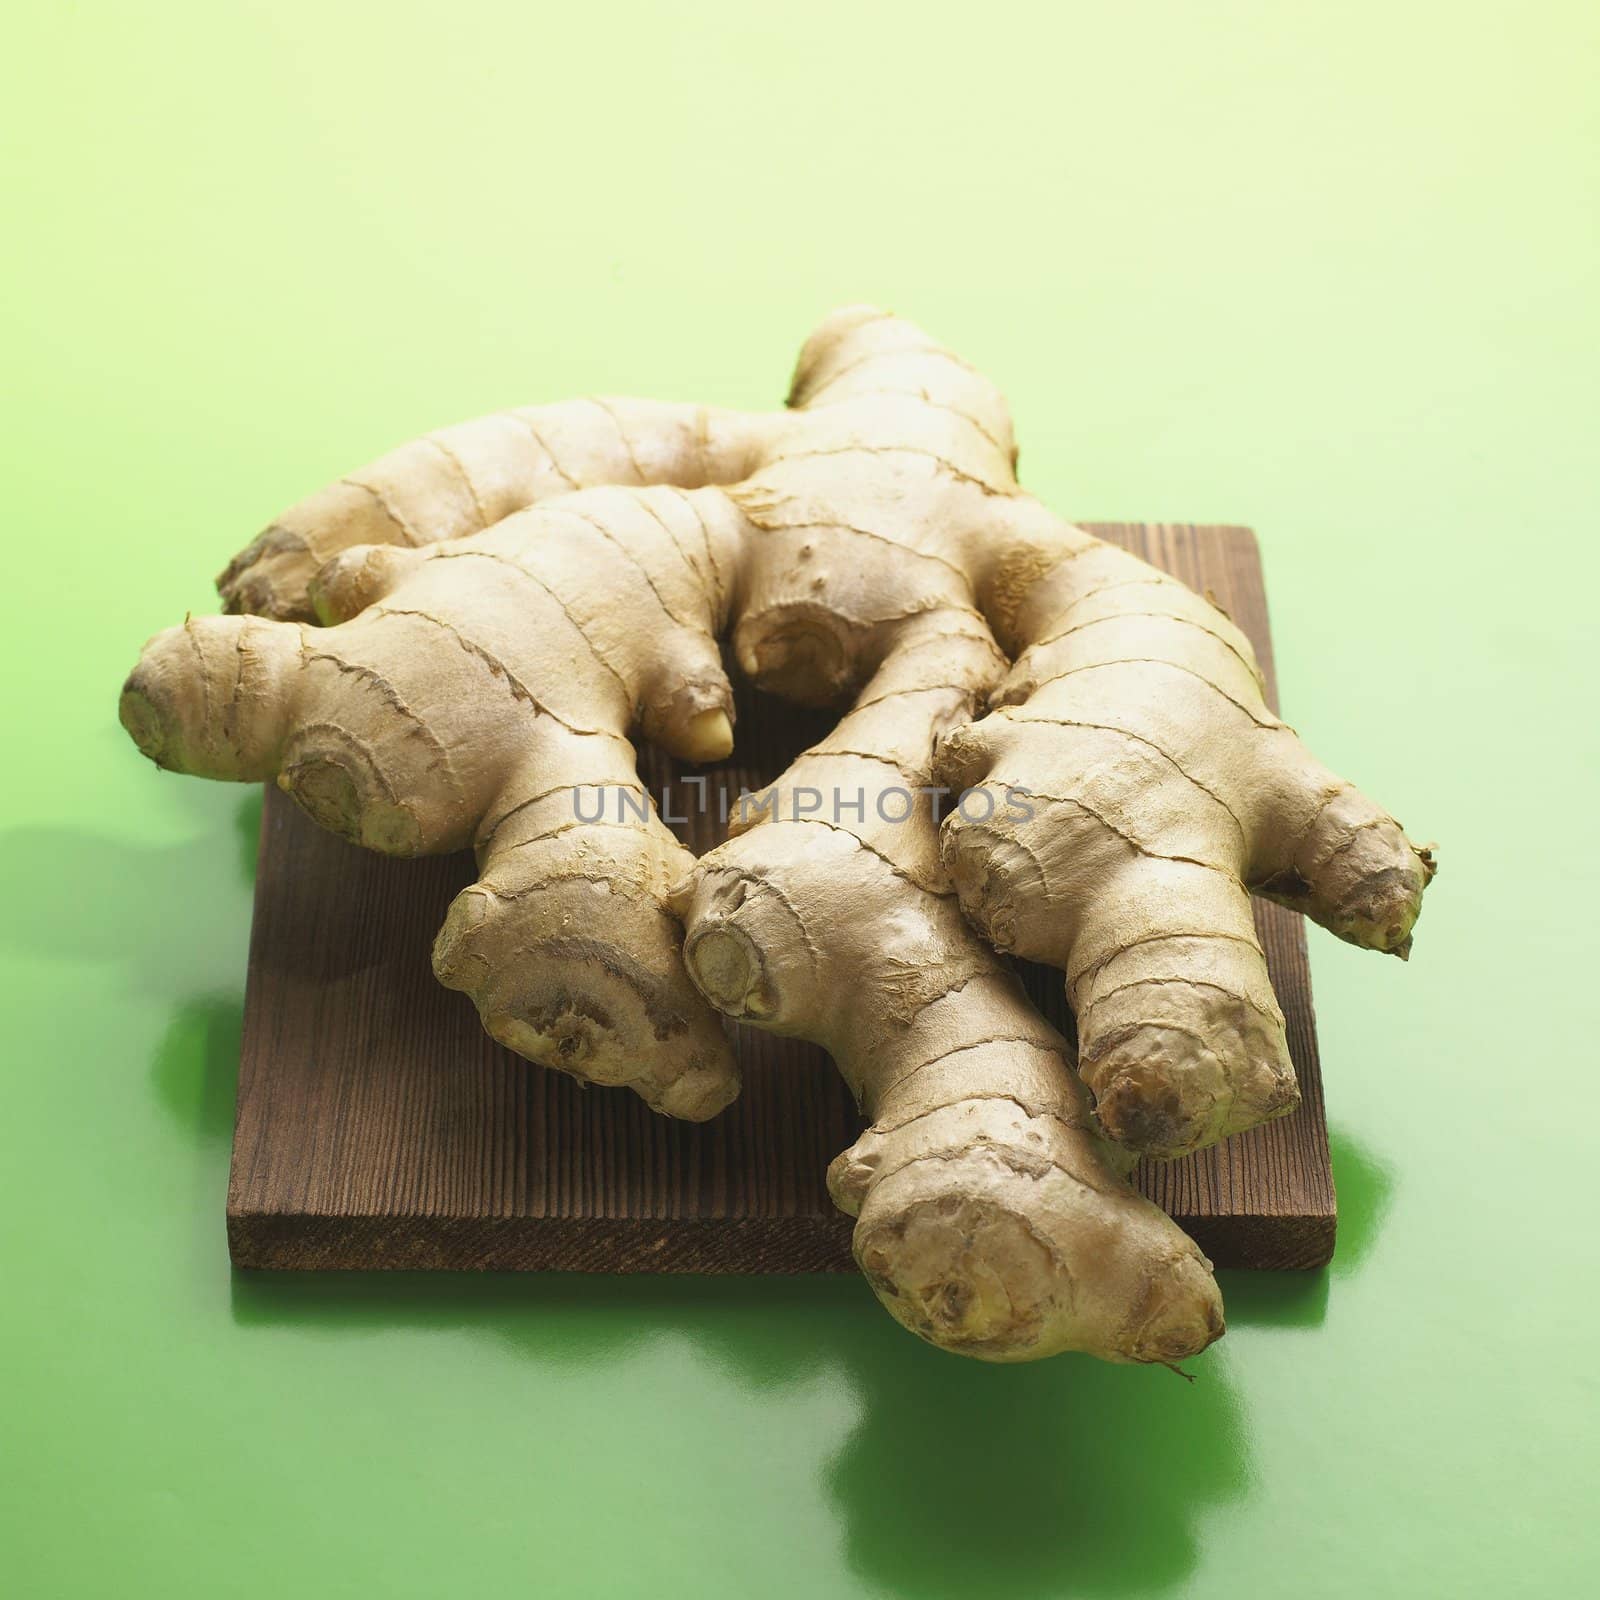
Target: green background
x=1330 y=270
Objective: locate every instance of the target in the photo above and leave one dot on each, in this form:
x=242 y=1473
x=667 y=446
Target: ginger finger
x=462 y=480
x=1162 y=791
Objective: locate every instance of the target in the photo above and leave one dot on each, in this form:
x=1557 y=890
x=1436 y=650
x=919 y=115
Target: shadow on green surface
x=196 y=1065
x=1274 y=1299
x=1068 y=1477
x=247 y=827
x=1365 y=1185
x=152 y=910
x=1063 y=1478
x=1300 y=1299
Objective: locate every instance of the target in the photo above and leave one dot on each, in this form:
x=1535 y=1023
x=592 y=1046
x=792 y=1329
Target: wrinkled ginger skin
x=992 y=1217
x=1164 y=792
x=462 y=695
x=443 y=648
x=1163 y=789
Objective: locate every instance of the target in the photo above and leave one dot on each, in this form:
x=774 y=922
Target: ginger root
x=500 y=605
x=993 y=1217
x=464 y=695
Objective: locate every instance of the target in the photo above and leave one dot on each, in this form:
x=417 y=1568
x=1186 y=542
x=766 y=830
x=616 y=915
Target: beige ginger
x=994 y=1218
x=506 y=602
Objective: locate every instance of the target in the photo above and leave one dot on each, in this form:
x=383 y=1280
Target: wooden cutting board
x=379 y=1127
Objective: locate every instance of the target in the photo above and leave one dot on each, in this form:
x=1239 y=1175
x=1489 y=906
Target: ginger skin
x=461 y=695
x=504 y=603
x=993 y=1217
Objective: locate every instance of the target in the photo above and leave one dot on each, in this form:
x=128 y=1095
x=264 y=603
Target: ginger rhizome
x=461 y=695
x=993 y=1217
x=440 y=650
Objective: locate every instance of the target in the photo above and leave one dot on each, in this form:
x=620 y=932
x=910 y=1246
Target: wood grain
x=379 y=1127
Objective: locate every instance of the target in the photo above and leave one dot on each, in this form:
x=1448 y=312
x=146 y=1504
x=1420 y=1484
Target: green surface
x=1328 y=270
